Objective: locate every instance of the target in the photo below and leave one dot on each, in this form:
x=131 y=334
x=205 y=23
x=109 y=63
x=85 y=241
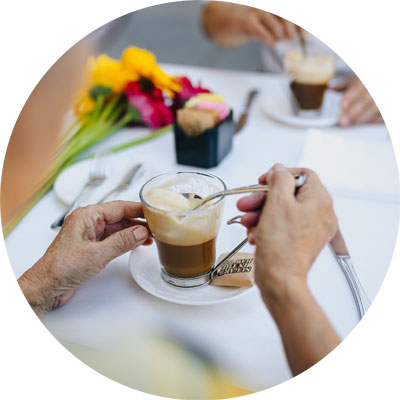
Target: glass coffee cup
x=309 y=76
x=185 y=238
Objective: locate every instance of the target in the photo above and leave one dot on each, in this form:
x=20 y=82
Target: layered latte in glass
x=309 y=78
x=185 y=237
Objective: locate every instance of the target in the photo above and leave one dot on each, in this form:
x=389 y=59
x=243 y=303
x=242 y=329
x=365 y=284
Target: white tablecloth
x=240 y=335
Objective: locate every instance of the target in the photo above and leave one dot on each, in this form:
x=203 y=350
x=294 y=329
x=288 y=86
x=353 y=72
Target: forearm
x=307 y=334
x=39 y=288
x=223 y=23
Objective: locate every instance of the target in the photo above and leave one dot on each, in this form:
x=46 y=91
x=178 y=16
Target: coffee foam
x=168 y=200
x=309 y=69
x=172 y=220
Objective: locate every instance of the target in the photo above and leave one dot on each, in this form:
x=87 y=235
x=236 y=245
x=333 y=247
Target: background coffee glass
x=185 y=239
x=308 y=80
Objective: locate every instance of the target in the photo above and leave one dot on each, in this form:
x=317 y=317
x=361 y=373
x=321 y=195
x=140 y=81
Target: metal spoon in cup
x=300 y=179
x=303 y=45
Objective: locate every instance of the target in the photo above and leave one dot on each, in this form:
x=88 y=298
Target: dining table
x=239 y=335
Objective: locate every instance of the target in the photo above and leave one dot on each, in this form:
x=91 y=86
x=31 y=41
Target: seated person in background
x=288 y=229
x=229 y=25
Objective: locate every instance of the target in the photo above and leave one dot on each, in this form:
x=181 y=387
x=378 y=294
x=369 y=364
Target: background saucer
x=145 y=269
x=277 y=107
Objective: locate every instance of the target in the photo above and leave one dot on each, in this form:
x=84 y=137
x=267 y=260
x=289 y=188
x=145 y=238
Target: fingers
x=281 y=184
x=251 y=202
x=362 y=112
x=273 y=24
x=250 y=218
x=264 y=179
x=353 y=88
x=251 y=235
x=282 y=189
x=302 y=193
x=258 y=31
x=355 y=109
x=308 y=190
x=252 y=206
x=377 y=119
x=358 y=107
x=270 y=28
x=290 y=29
x=301 y=31
x=311 y=187
x=123 y=241
x=351 y=96
x=353 y=102
x=120 y=225
x=115 y=211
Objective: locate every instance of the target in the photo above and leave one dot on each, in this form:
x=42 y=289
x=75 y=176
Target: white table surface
x=240 y=334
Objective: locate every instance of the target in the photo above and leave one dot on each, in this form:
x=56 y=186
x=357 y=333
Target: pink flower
x=151 y=106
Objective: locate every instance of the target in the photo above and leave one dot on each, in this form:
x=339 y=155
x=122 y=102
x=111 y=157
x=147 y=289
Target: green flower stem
x=34 y=199
x=69 y=157
x=154 y=135
x=94 y=130
x=66 y=134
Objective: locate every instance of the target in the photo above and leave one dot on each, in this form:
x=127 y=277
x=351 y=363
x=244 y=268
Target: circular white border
x=35 y=34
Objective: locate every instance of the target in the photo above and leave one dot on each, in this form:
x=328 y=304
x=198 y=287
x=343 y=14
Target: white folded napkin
x=356 y=167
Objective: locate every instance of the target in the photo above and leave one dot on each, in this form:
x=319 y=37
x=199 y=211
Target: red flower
x=151 y=106
x=187 y=91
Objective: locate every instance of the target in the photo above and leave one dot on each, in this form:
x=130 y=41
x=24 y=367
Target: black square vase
x=208 y=149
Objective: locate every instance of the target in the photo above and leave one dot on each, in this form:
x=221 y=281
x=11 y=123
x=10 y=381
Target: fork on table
x=97 y=175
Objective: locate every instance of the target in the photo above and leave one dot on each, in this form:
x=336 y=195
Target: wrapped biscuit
x=237 y=271
x=194 y=121
x=203 y=131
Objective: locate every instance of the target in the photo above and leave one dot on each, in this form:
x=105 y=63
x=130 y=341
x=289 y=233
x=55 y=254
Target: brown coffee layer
x=186 y=261
x=309 y=96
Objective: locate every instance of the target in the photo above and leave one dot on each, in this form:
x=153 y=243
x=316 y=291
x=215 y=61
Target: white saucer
x=71 y=180
x=277 y=106
x=145 y=269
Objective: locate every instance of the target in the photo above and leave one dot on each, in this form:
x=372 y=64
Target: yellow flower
x=106 y=71
x=115 y=74
x=139 y=60
x=102 y=71
x=144 y=64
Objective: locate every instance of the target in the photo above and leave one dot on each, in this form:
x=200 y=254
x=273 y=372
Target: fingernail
x=251 y=238
x=279 y=168
x=140 y=233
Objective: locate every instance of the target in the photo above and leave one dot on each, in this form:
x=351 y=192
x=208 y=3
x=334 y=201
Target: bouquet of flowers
x=117 y=93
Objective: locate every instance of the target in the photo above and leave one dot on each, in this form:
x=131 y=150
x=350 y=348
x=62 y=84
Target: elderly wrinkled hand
x=89 y=239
